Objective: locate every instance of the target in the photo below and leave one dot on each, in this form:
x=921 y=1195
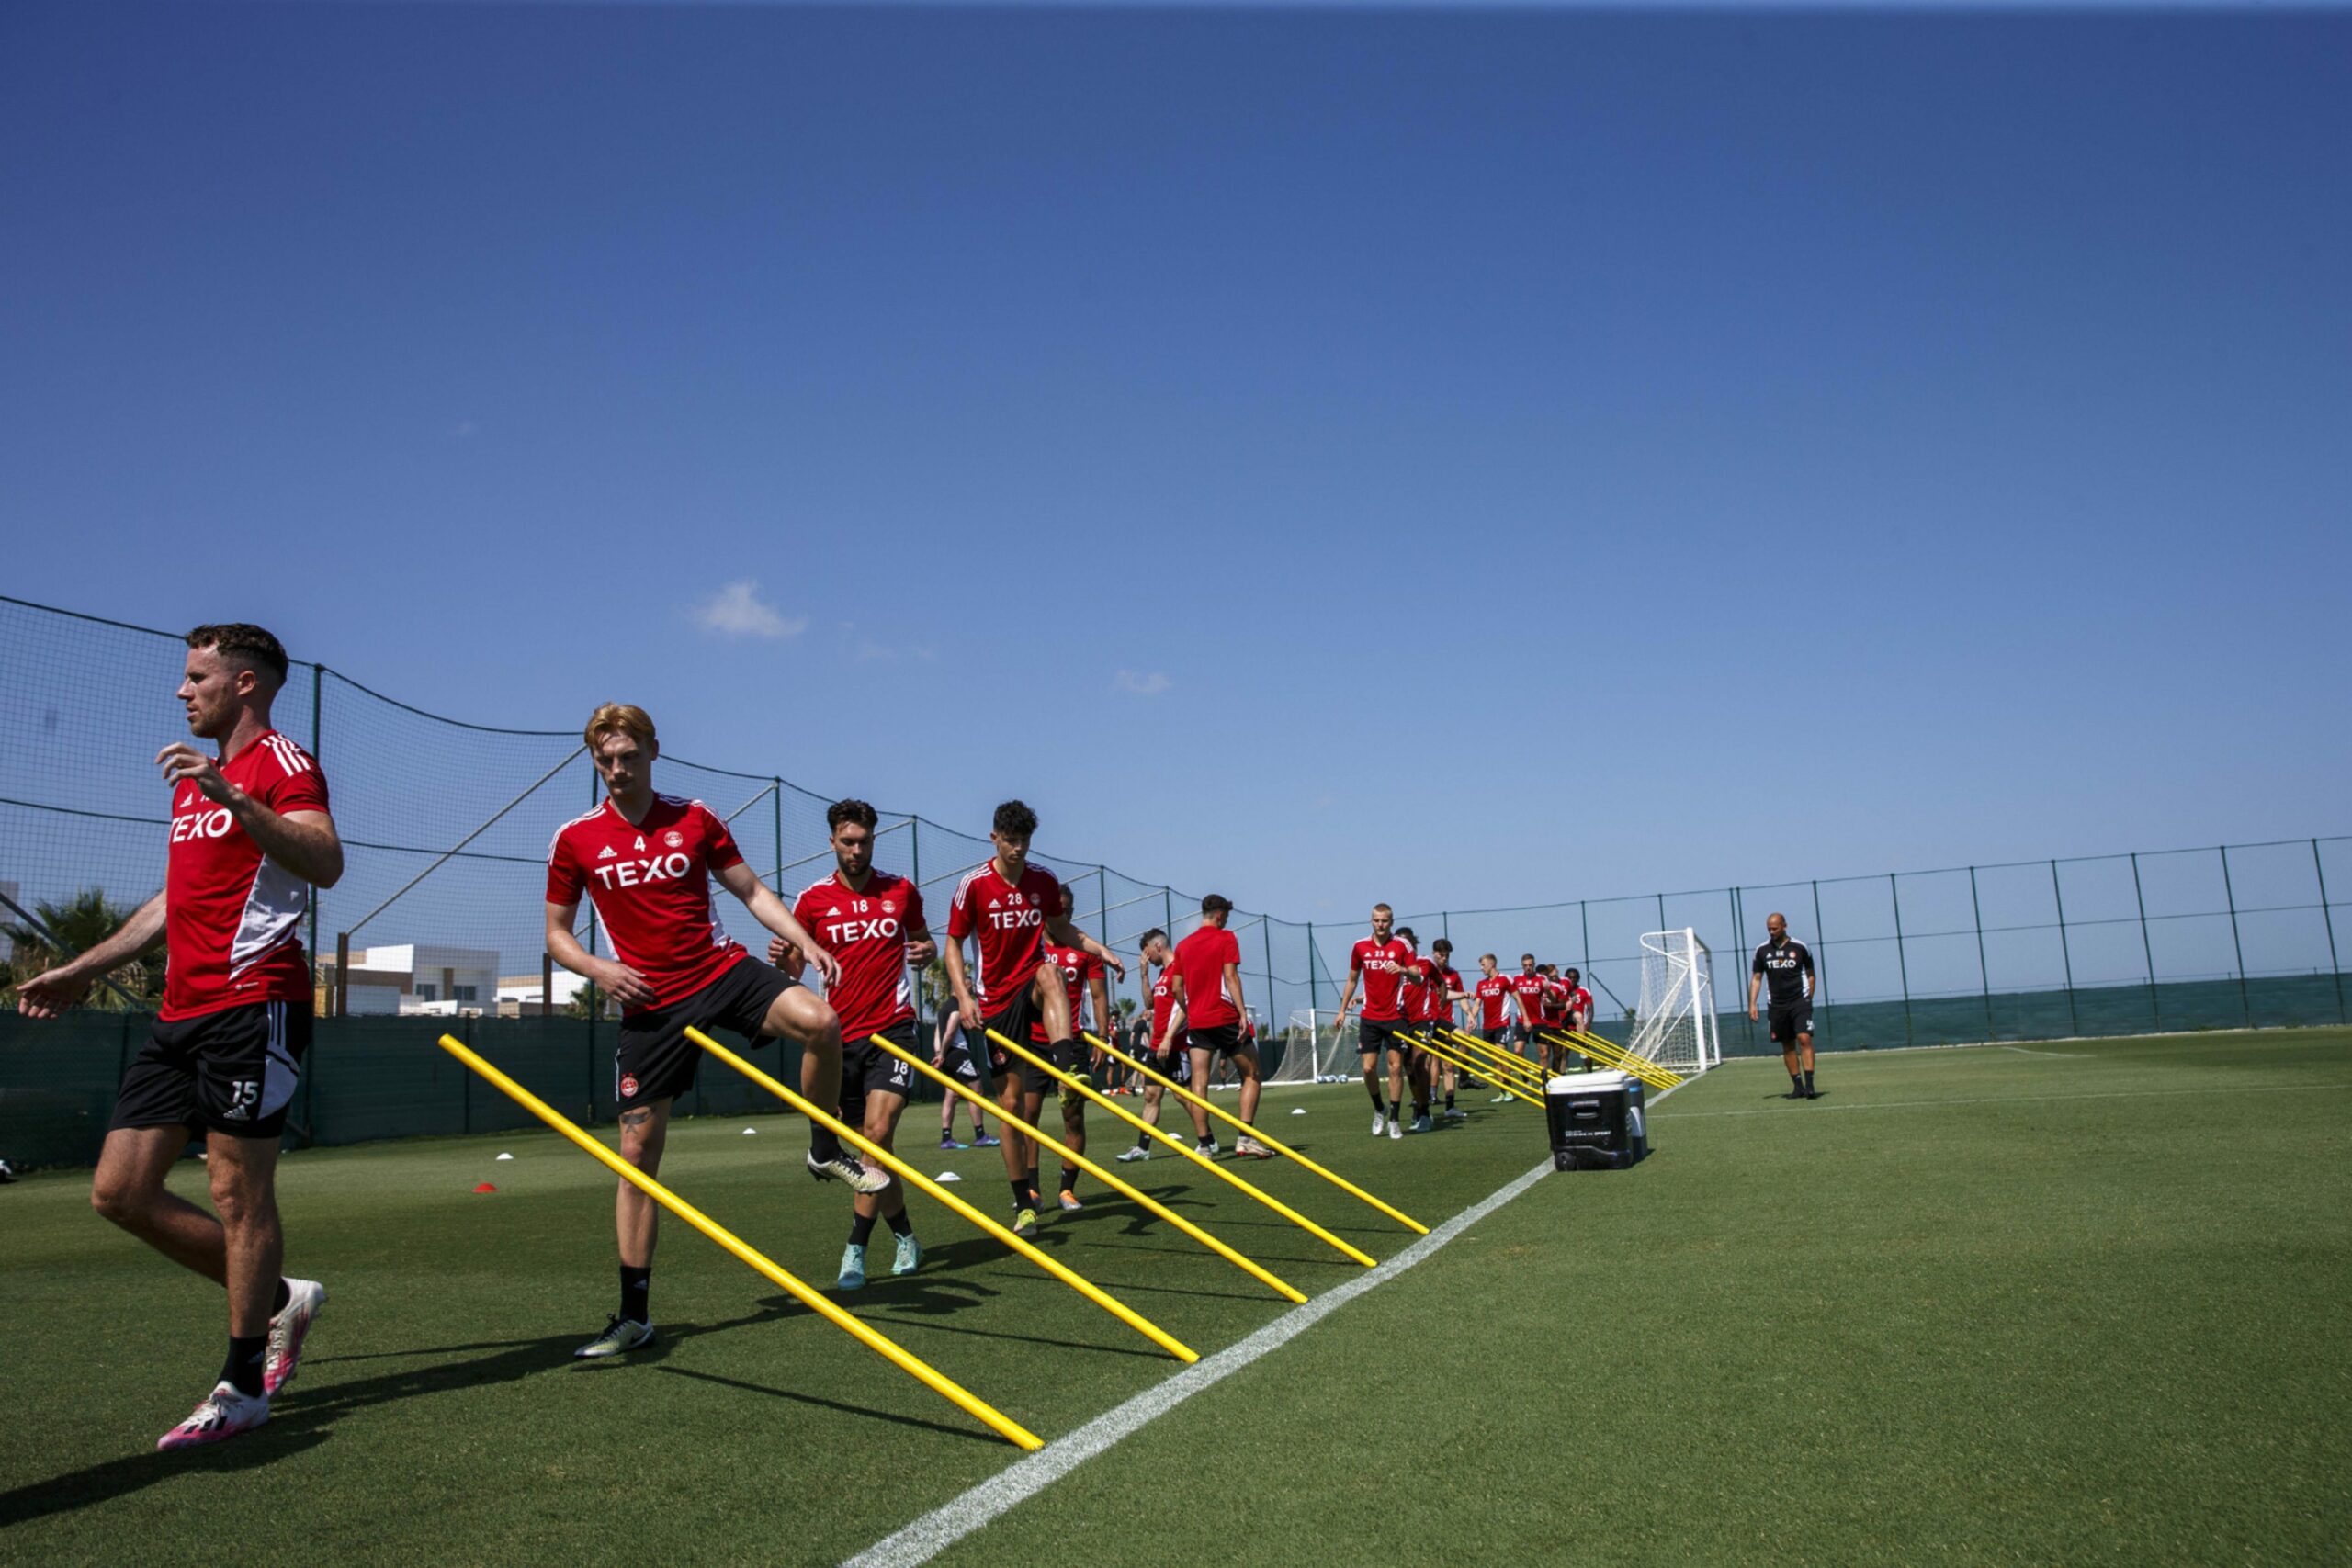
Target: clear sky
x=1458 y=456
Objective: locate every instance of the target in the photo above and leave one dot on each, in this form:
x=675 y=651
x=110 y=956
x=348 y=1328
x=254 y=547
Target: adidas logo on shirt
x=605 y=853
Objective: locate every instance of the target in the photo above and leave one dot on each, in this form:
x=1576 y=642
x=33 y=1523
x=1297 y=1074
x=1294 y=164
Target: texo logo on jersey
x=1013 y=919
x=202 y=825
x=630 y=873
x=839 y=933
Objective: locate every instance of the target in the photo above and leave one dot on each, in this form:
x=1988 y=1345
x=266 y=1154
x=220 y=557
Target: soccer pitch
x=2082 y=1301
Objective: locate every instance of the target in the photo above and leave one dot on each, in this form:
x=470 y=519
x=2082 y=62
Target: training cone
x=505 y=1157
x=485 y=1187
x=947 y=1176
x=1299 y=1110
x=749 y=1131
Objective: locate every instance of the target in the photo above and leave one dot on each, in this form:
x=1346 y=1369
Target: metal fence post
x=1584 y=924
x=2155 y=1006
x=1902 y=963
x=314 y=892
x=1738 y=945
x=1266 y=930
x=1314 y=992
x=775 y=804
x=2245 y=1005
x=2066 y=953
x=1983 y=976
x=1820 y=967
x=2334 y=967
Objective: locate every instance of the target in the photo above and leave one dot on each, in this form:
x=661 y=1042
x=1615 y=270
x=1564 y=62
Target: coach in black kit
x=1787 y=965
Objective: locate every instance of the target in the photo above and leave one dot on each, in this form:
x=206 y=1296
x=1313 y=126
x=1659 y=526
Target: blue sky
x=1456 y=457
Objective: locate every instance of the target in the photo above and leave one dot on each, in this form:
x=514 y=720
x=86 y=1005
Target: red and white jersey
x=1077 y=967
x=1442 y=995
x=650 y=883
x=1412 y=990
x=1580 y=1001
x=1494 y=994
x=867 y=930
x=1163 y=1002
x=1010 y=925
x=1382 y=965
x=1201 y=959
x=231 y=916
x=1556 y=1002
x=1528 y=991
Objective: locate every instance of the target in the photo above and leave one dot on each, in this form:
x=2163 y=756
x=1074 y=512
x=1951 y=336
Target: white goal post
x=1675 y=1024
x=1314 y=1050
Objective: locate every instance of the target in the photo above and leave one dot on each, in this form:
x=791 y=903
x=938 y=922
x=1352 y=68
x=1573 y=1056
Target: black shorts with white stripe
x=234 y=1071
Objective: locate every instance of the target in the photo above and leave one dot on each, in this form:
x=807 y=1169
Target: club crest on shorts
x=628 y=1086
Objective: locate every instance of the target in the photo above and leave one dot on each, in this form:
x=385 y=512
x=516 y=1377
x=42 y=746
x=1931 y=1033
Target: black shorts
x=1496 y=1037
x=867 y=1068
x=1376 y=1034
x=656 y=1061
x=234 y=1071
x=1791 y=1019
x=1224 y=1039
x=955 y=1060
x=1070 y=1057
x=1015 y=1021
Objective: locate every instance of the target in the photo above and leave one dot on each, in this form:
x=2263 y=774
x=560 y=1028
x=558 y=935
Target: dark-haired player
x=1443 y=991
x=1527 y=996
x=1413 y=1000
x=1083 y=984
x=1165 y=1050
x=1007 y=908
x=250 y=835
x=872 y=922
x=951 y=1053
x=1207 y=968
x=647 y=861
x=1378 y=964
x=1787 y=964
x=1575 y=1006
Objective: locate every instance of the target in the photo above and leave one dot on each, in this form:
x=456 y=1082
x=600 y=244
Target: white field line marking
x=2021 y=1100
x=952 y=1521
x=2069 y=1056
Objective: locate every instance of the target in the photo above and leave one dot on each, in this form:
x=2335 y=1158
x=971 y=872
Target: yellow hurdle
x=1503 y=1063
x=1164 y=1081
x=939 y=1383
x=1611 y=1054
x=1140 y=1125
x=924 y=1184
x=1116 y=1183
x=1423 y=1042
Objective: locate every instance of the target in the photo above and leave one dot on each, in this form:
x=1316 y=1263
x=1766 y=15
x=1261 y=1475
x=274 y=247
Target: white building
x=421 y=980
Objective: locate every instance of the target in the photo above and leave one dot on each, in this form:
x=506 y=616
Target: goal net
x=1313 y=1049
x=1675 y=1025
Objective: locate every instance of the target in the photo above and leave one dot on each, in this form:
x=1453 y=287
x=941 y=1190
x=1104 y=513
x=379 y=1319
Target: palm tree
x=78 y=924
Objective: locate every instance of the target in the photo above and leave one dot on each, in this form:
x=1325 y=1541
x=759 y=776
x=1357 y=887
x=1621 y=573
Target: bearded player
x=647 y=862
x=1379 y=962
x=250 y=835
x=1007 y=908
x=872 y=923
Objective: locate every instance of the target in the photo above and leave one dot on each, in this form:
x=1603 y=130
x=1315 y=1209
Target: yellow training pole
x=1164 y=1081
x=1502 y=1063
x=1140 y=1125
x=1117 y=1183
x=943 y=1385
x=1610 y=1054
x=924 y=1184
x=1422 y=1043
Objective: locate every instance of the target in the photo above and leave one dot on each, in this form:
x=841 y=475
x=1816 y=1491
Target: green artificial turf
x=2079 y=1302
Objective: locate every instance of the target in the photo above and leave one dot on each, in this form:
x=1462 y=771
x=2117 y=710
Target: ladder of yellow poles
x=938 y=1382
x=1276 y=1204
x=924 y=1184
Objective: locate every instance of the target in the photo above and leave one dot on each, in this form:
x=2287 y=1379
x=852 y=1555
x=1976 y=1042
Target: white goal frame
x=1675 y=1025
x=1329 y=1058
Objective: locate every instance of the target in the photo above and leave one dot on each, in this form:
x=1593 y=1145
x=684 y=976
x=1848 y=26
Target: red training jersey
x=232 y=916
x=650 y=883
x=1449 y=980
x=1078 y=966
x=1580 y=1001
x=1382 y=965
x=1201 y=959
x=1528 y=990
x=1556 y=1002
x=1163 y=1002
x=867 y=930
x=1493 y=992
x=1010 y=921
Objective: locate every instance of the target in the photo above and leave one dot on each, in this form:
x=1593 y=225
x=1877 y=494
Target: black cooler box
x=1596 y=1121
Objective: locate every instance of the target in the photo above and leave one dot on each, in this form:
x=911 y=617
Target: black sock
x=1377 y=1103
x=1142 y=1140
x=898 y=1223
x=636 y=1284
x=1795 y=1082
x=822 y=1144
x=1070 y=1178
x=278 y=1303
x=1021 y=1195
x=1449 y=1100
x=1033 y=1185
x=1420 y=1109
x=1808 y=1078
x=861 y=1229
x=242 y=1371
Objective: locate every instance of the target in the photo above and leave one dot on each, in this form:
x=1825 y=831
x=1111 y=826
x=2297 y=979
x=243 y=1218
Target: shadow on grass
x=914 y=1421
